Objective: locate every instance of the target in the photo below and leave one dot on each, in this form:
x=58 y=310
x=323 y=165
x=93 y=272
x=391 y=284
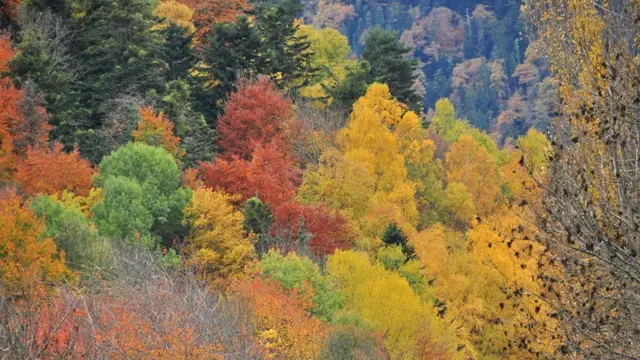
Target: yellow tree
x=330 y=50
x=469 y=163
x=385 y=300
x=217 y=242
x=369 y=140
x=175 y=13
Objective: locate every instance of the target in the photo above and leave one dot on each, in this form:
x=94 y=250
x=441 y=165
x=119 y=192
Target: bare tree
x=590 y=215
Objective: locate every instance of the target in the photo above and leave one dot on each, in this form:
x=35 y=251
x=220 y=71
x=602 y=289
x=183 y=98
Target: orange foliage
x=280 y=319
x=129 y=334
x=6 y=53
x=270 y=174
x=157 y=131
x=211 y=12
x=330 y=230
x=255 y=115
x=49 y=171
x=25 y=258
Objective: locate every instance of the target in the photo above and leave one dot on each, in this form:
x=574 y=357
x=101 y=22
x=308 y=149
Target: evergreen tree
x=354 y=85
x=117 y=54
x=258 y=219
x=386 y=55
x=231 y=49
x=45 y=60
x=393 y=235
x=285 y=56
x=177 y=53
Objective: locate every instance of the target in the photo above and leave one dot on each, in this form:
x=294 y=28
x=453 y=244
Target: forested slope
x=286 y=179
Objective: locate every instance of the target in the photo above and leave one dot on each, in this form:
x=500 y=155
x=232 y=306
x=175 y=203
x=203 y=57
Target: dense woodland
x=319 y=179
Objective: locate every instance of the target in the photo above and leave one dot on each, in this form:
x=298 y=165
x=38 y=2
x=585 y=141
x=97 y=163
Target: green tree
x=295 y=272
x=258 y=219
x=71 y=231
x=393 y=235
x=122 y=213
x=117 y=54
x=154 y=171
x=387 y=56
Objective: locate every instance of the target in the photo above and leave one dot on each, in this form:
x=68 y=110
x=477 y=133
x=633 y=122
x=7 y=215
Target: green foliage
x=155 y=173
x=113 y=61
x=122 y=213
x=71 y=231
x=393 y=235
x=353 y=86
x=295 y=272
x=258 y=219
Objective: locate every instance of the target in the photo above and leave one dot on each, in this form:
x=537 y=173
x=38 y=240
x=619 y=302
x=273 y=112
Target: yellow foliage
x=469 y=163
x=385 y=300
x=217 y=242
x=175 y=13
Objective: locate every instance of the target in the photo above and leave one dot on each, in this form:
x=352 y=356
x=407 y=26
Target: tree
x=329 y=49
x=256 y=114
x=232 y=49
x=393 y=235
x=208 y=13
x=385 y=300
x=50 y=171
x=46 y=63
x=280 y=321
x=176 y=14
x=157 y=131
x=298 y=273
x=470 y=163
x=151 y=177
x=589 y=214
x=386 y=56
x=312 y=230
x=258 y=219
x=27 y=259
x=113 y=62
x=122 y=212
x=271 y=175
x=71 y=231
x=217 y=243
x=285 y=55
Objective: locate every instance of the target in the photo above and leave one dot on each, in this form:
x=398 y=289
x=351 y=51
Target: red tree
x=329 y=229
x=271 y=175
x=256 y=114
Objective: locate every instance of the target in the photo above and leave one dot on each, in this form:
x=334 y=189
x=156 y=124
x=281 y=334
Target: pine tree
x=393 y=235
x=117 y=53
x=386 y=55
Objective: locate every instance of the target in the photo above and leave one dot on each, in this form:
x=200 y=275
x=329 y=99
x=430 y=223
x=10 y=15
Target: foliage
x=151 y=178
x=157 y=131
x=71 y=231
x=254 y=115
x=217 y=243
x=280 y=319
x=27 y=258
x=49 y=171
x=295 y=272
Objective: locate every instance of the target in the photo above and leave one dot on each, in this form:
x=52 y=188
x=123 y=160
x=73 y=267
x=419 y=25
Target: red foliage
x=330 y=230
x=271 y=175
x=255 y=114
x=157 y=131
x=46 y=171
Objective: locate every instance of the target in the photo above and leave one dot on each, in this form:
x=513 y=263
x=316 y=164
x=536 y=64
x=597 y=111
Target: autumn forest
x=320 y=179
